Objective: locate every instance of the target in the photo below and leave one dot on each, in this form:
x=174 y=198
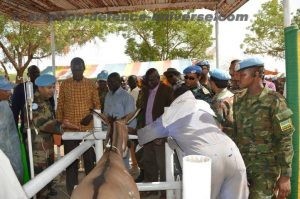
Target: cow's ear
x=104 y=118
x=129 y=117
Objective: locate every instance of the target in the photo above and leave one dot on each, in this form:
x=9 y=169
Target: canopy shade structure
x=136 y=68
x=47 y=10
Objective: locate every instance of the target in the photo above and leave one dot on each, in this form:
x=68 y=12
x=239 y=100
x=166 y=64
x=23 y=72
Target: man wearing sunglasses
x=192 y=78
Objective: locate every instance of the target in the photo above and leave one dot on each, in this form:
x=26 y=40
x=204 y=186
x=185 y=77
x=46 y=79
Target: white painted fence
x=96 y=138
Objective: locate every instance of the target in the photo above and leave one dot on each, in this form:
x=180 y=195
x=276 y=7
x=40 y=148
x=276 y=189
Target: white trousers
x=229 y=178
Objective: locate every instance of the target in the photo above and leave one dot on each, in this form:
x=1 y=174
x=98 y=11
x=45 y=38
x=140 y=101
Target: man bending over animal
x=191 y=123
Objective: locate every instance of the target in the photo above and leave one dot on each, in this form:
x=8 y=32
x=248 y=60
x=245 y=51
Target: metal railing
x=96 y=138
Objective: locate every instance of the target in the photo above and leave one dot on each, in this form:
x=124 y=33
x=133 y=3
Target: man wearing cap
x=222 y=100
x=9 y=139
x=191 y=78
x=263 y=129
x=102 y=87
x=204 y=80
x=173 y=77
x=44 y=122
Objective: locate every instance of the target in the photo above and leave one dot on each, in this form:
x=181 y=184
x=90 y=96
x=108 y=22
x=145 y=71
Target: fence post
x=169 y=169
x=98 y=142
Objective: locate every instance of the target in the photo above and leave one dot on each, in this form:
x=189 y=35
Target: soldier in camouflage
x=263 y=132
x=222 y=100
x=43 y=125
x=191 y=78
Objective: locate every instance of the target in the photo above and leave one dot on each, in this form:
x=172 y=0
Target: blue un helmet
x=103 y=75
x=192 y=69
x=203 y=63
x=45 y=80
x=249 y=63
x=5 y=84
x=219 y=74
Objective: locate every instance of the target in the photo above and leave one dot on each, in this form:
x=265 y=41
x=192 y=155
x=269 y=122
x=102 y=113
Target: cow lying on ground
x=110 y=178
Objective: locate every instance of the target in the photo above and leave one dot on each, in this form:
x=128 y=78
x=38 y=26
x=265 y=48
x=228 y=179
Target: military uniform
x=42 y=143
x=222 y=101
x=222 y=105
x=202 y=93
x=263 y=132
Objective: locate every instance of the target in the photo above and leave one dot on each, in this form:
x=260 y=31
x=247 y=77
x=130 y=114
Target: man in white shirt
x=192 y=124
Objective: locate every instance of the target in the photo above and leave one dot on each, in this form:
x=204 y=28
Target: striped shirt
x=75 y=100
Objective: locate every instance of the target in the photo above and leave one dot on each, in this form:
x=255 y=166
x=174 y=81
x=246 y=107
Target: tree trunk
x=19 y=77
x=5 y=70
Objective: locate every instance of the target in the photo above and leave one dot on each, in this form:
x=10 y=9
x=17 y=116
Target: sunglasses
x=189 y=78
x=170 y=76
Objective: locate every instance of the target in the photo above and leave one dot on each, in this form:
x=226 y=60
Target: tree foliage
x=267 y=31
x=22 y=42
x=161 y=38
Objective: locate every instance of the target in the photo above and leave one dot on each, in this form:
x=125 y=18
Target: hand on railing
x=66 y=124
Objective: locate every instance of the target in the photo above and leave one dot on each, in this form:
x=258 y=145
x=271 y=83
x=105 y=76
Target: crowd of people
x=235 y=117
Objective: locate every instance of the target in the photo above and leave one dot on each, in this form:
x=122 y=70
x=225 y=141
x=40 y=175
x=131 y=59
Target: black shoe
x=140 y=178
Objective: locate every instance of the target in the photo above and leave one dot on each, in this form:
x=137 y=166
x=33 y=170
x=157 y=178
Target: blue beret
x=45 y=80
x=5 y=84
x=219 y=74
x=103 y=75
x=248 y=63
x=203 y=63
x=192 y=69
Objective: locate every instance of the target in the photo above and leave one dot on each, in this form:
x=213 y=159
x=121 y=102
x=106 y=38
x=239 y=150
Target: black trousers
x=89 y=159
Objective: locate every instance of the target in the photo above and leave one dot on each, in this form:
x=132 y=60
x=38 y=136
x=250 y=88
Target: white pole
x=198 y=168
x=217 y=38
x=98 y=142
x=42 y=179
x=169 y=169
x=30 y=154
x=286 y=12
x=89 y=136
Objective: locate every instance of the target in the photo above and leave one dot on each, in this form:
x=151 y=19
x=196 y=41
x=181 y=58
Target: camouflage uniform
x=222 y=106
x=42 y=143
x=263 y=129
x=202 y=93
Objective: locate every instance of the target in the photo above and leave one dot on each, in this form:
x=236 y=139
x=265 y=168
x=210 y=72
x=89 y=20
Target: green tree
x=267 y=31
x=160 y=37
x=296 y=19
x=22 y=42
